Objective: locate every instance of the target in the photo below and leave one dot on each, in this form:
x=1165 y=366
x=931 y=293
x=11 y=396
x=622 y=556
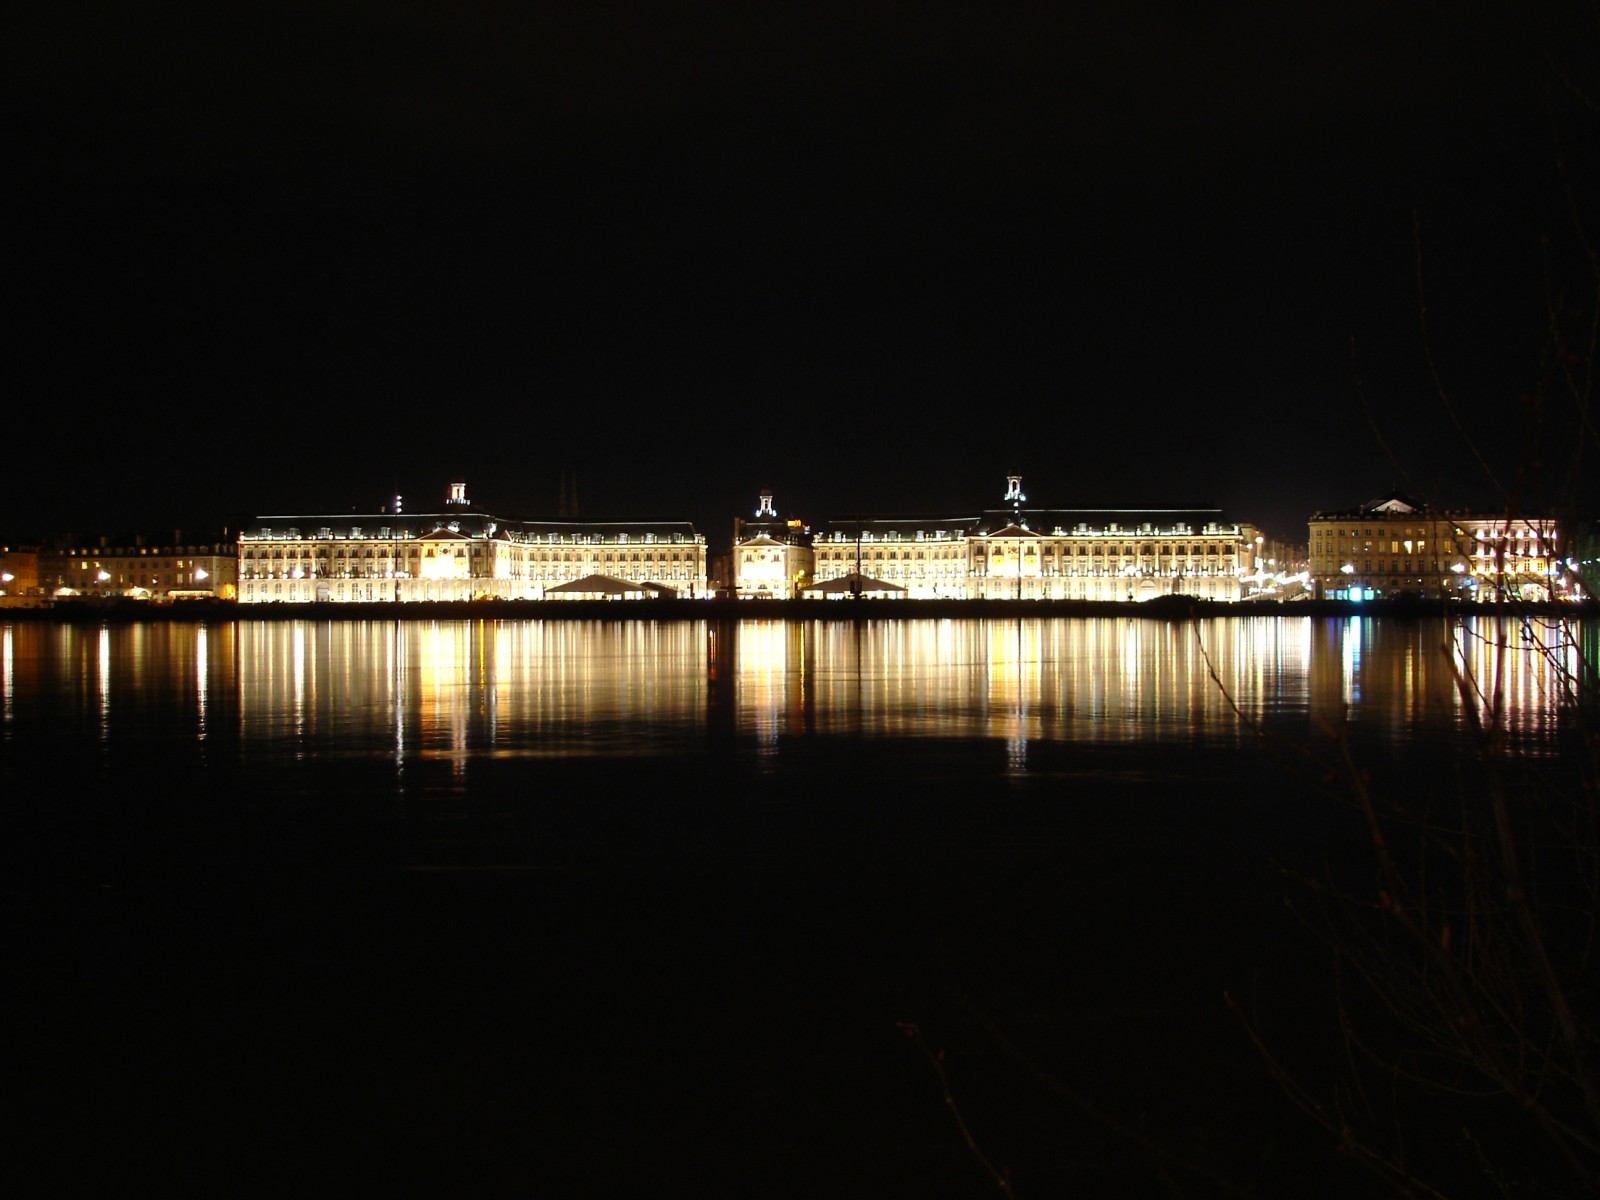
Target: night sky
x=297 y=257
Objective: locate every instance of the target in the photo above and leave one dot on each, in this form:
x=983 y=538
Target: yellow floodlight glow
x=444 y=566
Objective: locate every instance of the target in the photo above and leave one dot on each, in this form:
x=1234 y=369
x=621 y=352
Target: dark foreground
x=562 y=986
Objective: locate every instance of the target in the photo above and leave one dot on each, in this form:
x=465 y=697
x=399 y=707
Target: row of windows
x=548 y=571
x=385 y=534
x=939 y=535
x=115 y=552
x=893 y=571
x=126 y=579
x=1049 y=551
x=307 y=555
x=1142 y=551
x=1408 y=532
x=384 y=588
x=1513 y=563
x=115 y=564
x=1373 y=538
x=1412 y=545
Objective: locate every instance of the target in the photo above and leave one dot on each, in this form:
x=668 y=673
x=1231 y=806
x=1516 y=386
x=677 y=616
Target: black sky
x=296 y=257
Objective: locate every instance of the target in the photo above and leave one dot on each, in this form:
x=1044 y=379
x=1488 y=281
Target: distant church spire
x=766 y=509
x=567 y=506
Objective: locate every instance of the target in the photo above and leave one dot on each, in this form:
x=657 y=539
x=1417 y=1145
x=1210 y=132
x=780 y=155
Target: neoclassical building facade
x=1395 y=547
x=138 y=568
x=461 y=553
x=1038 y=554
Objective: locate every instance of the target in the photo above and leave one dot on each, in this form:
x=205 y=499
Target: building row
x=1394 y=547
x=1007 y=552
x=1389 y=548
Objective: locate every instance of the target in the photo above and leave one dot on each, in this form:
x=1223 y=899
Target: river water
x=608 y=907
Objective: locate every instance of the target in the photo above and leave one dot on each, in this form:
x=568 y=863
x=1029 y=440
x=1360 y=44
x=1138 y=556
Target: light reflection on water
x=453 y=689
x=348 y=862
x=539 y=915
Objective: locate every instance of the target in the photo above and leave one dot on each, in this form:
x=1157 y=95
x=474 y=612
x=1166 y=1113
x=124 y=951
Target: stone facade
x=771 y=556
x=1395 y=548
x=460 y=553
x=1045 y=553
x=134 y=568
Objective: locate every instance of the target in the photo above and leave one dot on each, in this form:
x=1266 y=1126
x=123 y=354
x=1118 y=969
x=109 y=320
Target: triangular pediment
x=1392 y=502
x=444 y=534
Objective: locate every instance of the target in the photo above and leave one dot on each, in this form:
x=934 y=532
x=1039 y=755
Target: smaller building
x=19 y=576
x=135 y=568
x=1395 y=547
x=772 y=557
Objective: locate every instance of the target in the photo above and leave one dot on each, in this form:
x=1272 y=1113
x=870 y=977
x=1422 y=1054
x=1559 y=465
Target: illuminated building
x=771 y=557
x=1041 y=553
x=19 y=575
x=1394 y=547
x=460 y=553
x=139 y=570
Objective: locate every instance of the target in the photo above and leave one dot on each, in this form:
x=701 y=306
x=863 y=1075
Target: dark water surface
x=616 y=908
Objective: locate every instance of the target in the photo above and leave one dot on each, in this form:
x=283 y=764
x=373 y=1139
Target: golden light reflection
x=446 y=657
x=202 y=670
x=421 y=692
x=453 y=690
x=1392 y=676
x=297 y=676
x=8 y=684
x=1098 y=679
x=102 y=660
x=1512 y=674
x=771 y=674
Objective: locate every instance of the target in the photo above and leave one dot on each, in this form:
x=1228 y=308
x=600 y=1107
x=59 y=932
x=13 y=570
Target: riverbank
x=1165 y=608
